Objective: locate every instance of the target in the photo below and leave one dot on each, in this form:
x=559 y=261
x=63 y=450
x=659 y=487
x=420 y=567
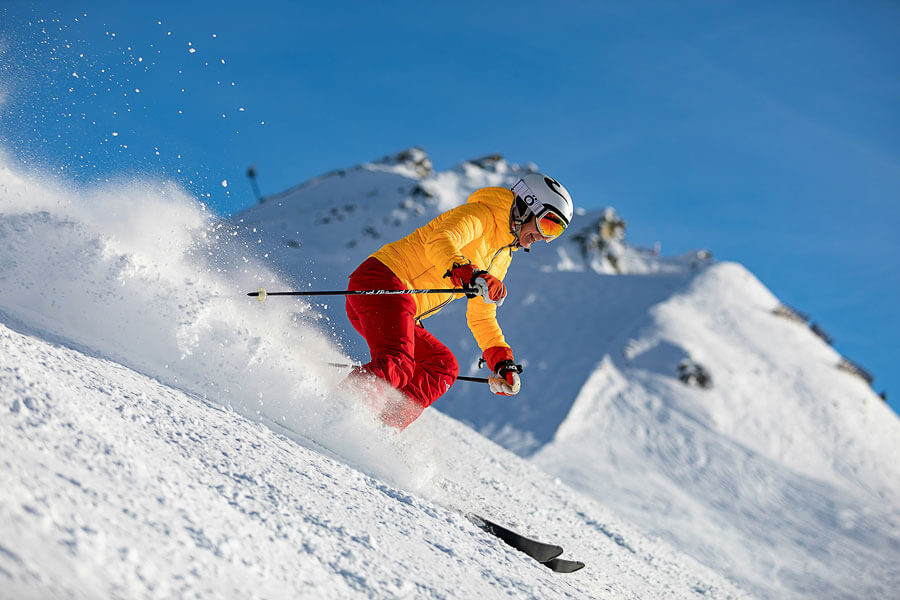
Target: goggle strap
x=531 y=201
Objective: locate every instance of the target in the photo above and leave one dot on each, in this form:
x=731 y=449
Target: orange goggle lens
x=550 y=225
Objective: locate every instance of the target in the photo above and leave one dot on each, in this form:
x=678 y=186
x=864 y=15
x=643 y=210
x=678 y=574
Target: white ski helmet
x=539 y=194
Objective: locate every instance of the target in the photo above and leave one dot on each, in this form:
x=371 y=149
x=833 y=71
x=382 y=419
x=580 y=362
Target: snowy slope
x=784 y=475
x=115 y=485
x=162 y=435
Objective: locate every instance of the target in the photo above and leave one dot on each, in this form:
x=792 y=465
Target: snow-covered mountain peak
x=412 y=161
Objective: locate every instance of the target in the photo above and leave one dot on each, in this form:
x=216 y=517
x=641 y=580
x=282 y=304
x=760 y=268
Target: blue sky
x=767 y=132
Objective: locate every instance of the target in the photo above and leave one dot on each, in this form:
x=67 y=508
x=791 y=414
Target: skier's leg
x=435 y=371
x=386 y=322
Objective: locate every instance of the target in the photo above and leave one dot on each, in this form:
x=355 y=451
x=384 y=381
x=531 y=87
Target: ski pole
x=261 y=294
x=460 y=378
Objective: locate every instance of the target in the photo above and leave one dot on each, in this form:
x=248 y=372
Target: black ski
x=561 y=565
x=539 y=551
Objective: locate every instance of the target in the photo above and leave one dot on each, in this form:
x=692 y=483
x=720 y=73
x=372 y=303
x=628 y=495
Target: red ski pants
x=403 y=354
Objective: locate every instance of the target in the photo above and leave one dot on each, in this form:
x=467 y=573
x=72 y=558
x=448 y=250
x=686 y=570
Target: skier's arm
x=482 y=316
x=482 y=319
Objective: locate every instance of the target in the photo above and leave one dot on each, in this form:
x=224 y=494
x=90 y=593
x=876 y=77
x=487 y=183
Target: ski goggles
x=550 y=225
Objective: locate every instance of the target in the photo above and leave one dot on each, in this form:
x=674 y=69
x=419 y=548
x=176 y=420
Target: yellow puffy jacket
x=476 y=232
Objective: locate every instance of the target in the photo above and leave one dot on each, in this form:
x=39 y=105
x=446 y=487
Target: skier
x=472 y=245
